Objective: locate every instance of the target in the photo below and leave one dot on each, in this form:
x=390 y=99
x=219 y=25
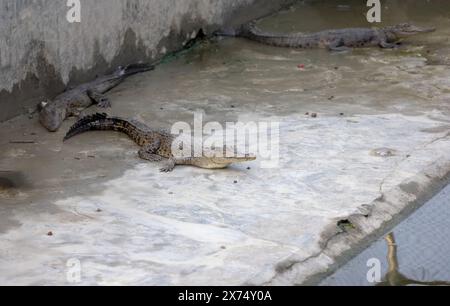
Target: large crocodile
x=335 y=40
x=158 y=145
x=71 y=102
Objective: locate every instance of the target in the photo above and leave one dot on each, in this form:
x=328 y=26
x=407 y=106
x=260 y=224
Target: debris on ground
x=22 y=142
x=384 y=152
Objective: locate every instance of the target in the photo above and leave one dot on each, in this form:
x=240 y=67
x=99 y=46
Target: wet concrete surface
x=382 y=119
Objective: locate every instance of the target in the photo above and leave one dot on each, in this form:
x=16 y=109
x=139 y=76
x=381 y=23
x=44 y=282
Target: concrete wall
x=41 y=52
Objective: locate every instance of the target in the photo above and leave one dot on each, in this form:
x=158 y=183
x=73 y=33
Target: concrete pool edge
x=339 y=246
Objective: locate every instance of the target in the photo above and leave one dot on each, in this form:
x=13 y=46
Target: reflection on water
x=394 y=277
x=417 y=251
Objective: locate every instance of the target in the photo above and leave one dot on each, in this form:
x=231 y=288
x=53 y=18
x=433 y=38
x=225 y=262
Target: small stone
x=341 y=114
x=249 y=168
x=99 y=210
x=307 y=114
x=223 y=247
x=235 y=182
x=331 y=98
x=314 y=115
x=336 y=68
x=232 y=106
x=384 y=152
x=50 y=234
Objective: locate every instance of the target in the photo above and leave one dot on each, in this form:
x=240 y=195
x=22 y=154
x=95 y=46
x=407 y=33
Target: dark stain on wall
x=47 y=83
x=34 y=88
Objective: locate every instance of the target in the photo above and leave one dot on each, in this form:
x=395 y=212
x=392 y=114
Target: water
x=415 y=253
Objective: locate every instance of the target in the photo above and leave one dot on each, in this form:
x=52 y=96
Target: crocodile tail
x=233 y=31
x=85 y=124
x=227 y=32
x=135 y=68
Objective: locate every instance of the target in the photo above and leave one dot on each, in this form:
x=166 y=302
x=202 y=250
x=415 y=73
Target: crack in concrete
x=280 y=268
x=285 y=268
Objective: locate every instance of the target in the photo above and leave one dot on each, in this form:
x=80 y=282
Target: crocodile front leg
x=171 y=163
x=383 y=42
x=100 y=99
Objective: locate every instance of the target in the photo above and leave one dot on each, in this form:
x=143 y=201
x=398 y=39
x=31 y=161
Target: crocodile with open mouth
x=158 y=145
x=335 y=40
x=71 y=102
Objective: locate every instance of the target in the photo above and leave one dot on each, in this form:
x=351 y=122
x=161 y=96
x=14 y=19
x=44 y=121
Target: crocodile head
x=407 y=29
x=221 y=161
x=51 y=116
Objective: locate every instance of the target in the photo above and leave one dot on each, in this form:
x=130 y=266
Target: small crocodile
x=71 y=102
x=157 y=145
x=335 y=40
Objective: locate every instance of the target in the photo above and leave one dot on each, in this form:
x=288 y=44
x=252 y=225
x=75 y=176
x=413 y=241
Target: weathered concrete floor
x=129 y=224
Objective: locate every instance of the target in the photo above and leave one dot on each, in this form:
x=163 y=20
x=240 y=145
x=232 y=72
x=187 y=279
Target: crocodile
x=158 y=145
x=72 y=101
x=334 y=40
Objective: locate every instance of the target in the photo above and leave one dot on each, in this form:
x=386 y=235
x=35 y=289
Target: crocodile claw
x=104 y=103
x=168 y=166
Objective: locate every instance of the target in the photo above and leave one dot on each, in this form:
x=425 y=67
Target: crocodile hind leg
x=338 y=46
x=148 y=152
x=150 y=156
x=386 y=45
x=100 y=99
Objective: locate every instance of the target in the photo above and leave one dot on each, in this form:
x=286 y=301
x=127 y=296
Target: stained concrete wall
x=41 y=52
